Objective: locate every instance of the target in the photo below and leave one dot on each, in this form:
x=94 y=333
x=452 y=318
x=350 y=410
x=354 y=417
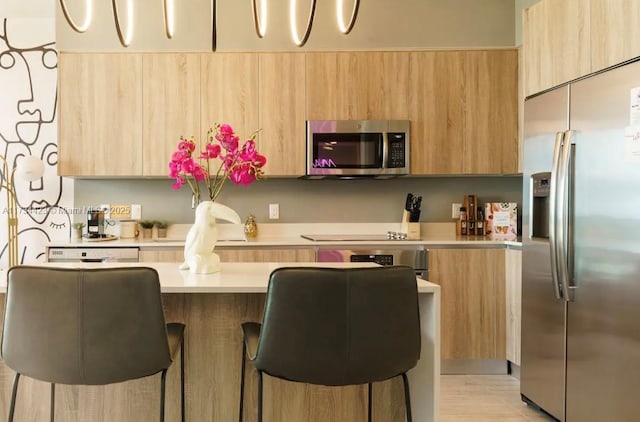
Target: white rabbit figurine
x=199 y=257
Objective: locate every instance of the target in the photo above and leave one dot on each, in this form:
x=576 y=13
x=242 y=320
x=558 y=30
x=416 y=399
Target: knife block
x=411 y=229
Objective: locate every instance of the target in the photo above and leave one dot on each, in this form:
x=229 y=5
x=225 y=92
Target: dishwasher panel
x=85 y=254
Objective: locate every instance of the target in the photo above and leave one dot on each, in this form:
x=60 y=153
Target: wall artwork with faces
x=28 y=93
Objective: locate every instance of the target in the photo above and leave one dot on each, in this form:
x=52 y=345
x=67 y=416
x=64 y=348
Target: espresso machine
x=95 y=223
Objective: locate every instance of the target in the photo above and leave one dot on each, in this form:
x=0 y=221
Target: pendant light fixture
x=168 y=10
x=346 y=28
x=293 y=13
x=125 y=39
x=260 y=17
x=88 y=16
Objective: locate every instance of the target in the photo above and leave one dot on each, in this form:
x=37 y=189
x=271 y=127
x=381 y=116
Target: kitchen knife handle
x=409 y=200
x=553 y=208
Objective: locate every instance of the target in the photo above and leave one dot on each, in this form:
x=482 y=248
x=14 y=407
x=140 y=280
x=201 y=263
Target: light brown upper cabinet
x=382 y=85
x=462 y=105
x=615 y=32
x=491 y=118
x=556 y=43
x=331 y=90
x=229 y=92
x=171 y=100
x=437 y=112
x=464 y=112
x=357 y=85
x=281 y=110
x=567 y=39
x=100 y=111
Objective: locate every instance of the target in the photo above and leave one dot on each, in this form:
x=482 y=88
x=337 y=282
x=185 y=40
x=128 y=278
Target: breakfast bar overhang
x=213 y=306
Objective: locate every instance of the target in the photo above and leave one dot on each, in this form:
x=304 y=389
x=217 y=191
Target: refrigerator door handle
x=553 y=208
x=564 y=249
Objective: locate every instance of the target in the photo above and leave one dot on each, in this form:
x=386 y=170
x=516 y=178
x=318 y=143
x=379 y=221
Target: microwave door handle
x=553 y=202
x=385 y=150
x=562 y=219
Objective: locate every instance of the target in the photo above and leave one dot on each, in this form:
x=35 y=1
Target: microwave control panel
x=396 y=150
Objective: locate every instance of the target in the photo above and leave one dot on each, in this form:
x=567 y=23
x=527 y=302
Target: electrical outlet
x=136 y=211
x=455 y=210
x=274 y=211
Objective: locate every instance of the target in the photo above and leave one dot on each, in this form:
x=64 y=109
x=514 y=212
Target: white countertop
x=289 y=235
x=233 y=277
x=286 y=241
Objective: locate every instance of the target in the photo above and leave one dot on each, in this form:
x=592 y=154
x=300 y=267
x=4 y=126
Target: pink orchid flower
x=242 y=164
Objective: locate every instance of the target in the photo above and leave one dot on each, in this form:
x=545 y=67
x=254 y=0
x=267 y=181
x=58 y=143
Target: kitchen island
x=213 y=307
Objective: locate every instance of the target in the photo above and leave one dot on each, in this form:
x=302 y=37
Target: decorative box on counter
x=501 y=220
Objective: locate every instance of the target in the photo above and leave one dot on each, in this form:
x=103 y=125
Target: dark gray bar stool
x=88 y=327
x=336 y=327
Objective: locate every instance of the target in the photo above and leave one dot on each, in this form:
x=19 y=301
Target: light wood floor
x=483 y=398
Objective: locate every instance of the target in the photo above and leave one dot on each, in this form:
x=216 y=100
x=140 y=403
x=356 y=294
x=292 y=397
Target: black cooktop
x=345 y=237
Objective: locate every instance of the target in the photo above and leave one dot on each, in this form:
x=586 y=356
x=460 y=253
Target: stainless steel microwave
x=357 y=148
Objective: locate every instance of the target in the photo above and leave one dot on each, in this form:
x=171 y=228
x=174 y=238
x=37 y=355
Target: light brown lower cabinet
x=472 y=283
x=242 y=254
x=513 y=286
x=266 y=255
x=161 y=255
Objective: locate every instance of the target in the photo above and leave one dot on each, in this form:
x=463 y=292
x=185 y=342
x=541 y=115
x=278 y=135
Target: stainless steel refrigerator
x=581 y=249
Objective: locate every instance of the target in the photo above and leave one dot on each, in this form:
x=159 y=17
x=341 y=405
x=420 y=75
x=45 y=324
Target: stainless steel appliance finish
x=358 y=148
x=543 y=317
x=581 y=291
x=87 y=254
x=415 y=257
x=95 y=223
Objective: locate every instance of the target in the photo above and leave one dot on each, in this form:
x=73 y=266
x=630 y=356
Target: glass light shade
x=29 y=168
